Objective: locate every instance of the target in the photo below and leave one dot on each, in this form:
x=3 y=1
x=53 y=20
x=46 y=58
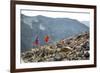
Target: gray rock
x=58 y=57
x=87 y=46
x=28 y=55
x=50 y=59
x=87 y=55
x=59 y=45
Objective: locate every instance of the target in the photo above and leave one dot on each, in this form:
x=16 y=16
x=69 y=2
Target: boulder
x=87 y=55
x=57 y=57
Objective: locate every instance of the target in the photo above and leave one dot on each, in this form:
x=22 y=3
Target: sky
x=80 y=16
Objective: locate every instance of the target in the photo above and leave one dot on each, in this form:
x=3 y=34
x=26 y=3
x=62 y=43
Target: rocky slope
x=73 y=48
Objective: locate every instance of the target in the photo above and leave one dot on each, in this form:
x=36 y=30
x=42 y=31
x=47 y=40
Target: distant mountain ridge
x=56 y=28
